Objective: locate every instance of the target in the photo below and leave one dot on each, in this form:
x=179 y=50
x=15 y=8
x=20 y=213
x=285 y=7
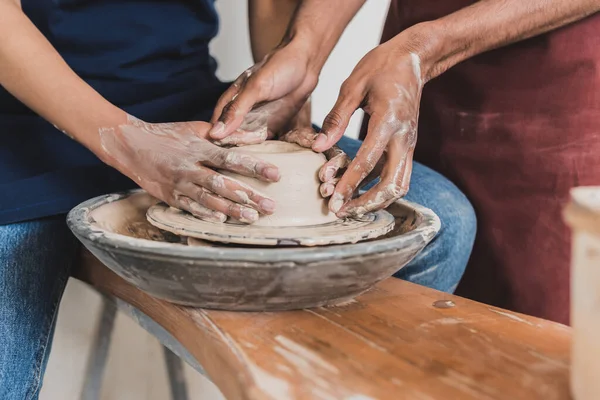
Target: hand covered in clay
x=387 y=85
x=271 y=93
x=337 y=160
x=176 y=163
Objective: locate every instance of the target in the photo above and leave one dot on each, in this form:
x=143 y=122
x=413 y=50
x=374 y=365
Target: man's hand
x=387 y=84
x=275 y=89
x=388 y=81
x=270 y=93
x=177 y=164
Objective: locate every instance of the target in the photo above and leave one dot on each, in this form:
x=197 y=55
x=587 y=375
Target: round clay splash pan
x=340 y=231
x=232 y=277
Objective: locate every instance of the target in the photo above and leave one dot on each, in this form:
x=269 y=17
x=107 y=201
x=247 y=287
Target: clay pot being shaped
x=301 y=216
x=296 y=194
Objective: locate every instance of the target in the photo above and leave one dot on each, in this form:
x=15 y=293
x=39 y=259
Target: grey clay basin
x=114 y=228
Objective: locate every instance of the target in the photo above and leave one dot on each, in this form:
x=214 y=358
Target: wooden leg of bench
x=191 y=327
x=94 y=374
x=176 y=375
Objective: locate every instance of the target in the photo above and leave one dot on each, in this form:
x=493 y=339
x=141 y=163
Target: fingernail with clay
x=206 y=215
x=327 y=189
x=271 y=173
x=320 y=141
x=357 y=212
x=342 y=214
x=217 y=129
x=329 y=174
x=336 y=202
x=267 y=205
x=249 y=215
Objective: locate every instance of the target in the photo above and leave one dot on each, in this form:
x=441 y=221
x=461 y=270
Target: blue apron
x=149 y=58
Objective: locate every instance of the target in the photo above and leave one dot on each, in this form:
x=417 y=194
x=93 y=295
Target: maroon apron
x=515 y=129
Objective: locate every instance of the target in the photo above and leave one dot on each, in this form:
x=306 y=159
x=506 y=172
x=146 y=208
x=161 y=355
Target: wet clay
x=128 y=217
x=444 y=304
x=297 y=197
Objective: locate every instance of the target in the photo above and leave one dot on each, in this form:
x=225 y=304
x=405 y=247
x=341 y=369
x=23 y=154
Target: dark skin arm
x=268 y=21
x=283 y=80
x=387 y=83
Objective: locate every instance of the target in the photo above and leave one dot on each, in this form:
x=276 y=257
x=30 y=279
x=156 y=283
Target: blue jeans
x=36 y=259
x=35 y=262
x=442 y=263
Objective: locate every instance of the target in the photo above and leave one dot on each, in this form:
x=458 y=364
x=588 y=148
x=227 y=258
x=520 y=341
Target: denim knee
x=442 y=263
x=35 y=260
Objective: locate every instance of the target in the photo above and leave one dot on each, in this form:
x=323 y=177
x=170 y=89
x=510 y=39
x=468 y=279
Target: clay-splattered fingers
x=233 y=190
x=393 y=185
x=236 y=211
x=376 y=173
x=327 y=188
x=233 y=113
x=380 y=130
x=378 y=197
x=242 y=137
x=335 y=123
x=337 y=161
x=242 y=164
x=199 y=211
x=227 y=96
x=356 y=172
x=304 y=137
x=257 y=119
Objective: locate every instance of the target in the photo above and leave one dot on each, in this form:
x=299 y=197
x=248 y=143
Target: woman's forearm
x=33 y=71
x=489 y=24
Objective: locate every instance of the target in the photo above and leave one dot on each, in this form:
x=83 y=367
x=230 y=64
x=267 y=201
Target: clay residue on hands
x=274 y=90
x=391 y=98
x=176 y=163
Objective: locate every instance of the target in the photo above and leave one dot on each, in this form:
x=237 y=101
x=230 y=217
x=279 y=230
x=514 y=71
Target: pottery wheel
x=349 y=230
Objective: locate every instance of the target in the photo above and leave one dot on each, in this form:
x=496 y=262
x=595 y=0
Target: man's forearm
x=268 y=20
x=489 y=24
x=33 y=71
x=318 y=25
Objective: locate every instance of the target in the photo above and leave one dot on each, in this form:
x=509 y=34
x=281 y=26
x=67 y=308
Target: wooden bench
x=390 y=343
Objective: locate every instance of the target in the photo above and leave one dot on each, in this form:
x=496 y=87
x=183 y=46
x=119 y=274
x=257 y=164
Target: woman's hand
x=387 y=85
x=177 y=164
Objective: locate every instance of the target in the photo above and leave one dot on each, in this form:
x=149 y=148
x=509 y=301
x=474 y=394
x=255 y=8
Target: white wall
x=232 y=50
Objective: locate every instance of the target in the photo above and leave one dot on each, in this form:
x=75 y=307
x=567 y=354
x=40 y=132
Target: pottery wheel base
x=349 y=230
